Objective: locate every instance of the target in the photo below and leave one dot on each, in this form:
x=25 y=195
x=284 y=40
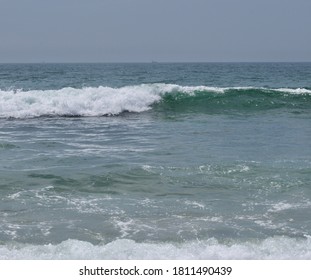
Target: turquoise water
x=155 y=161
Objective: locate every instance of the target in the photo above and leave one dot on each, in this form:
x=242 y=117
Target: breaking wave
x=126 y=249
x=105 y=101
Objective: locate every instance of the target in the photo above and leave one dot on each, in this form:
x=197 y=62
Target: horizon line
x=147 y=62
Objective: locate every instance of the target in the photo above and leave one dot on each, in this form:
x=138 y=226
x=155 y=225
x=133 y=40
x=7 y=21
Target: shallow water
x=150 y=161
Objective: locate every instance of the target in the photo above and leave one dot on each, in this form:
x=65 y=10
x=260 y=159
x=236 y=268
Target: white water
x=271 y=248
x=70 y=101
x=97 y=101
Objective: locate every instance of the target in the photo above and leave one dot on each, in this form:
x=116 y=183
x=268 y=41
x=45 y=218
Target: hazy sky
x=161 y=30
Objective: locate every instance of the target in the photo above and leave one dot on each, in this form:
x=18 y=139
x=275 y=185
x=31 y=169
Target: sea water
x=155 y=161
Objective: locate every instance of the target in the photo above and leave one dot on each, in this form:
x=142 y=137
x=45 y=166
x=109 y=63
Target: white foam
x=284 y=205
x=84 y=102
x=88 y=101
x=98 y=101
x=294 y=91
x=271 y=248
x=195 y=204
x=281 y=206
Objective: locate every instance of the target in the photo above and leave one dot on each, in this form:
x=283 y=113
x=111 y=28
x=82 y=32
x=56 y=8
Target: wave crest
x=76 y=102
x=99 y=101
x=270 y=248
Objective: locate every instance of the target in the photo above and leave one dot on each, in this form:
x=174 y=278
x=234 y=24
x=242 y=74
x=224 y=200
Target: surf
x=283 y=248
x=109 y=101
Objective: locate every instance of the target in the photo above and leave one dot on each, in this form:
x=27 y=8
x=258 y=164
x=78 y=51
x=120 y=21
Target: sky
x=155 y=30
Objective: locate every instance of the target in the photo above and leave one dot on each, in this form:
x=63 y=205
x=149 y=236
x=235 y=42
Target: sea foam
x=100 y=101
x=126 y=249
x=76 y=102
x=88 y=101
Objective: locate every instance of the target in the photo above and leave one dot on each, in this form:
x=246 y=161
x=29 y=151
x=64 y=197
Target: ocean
x=155 y=161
